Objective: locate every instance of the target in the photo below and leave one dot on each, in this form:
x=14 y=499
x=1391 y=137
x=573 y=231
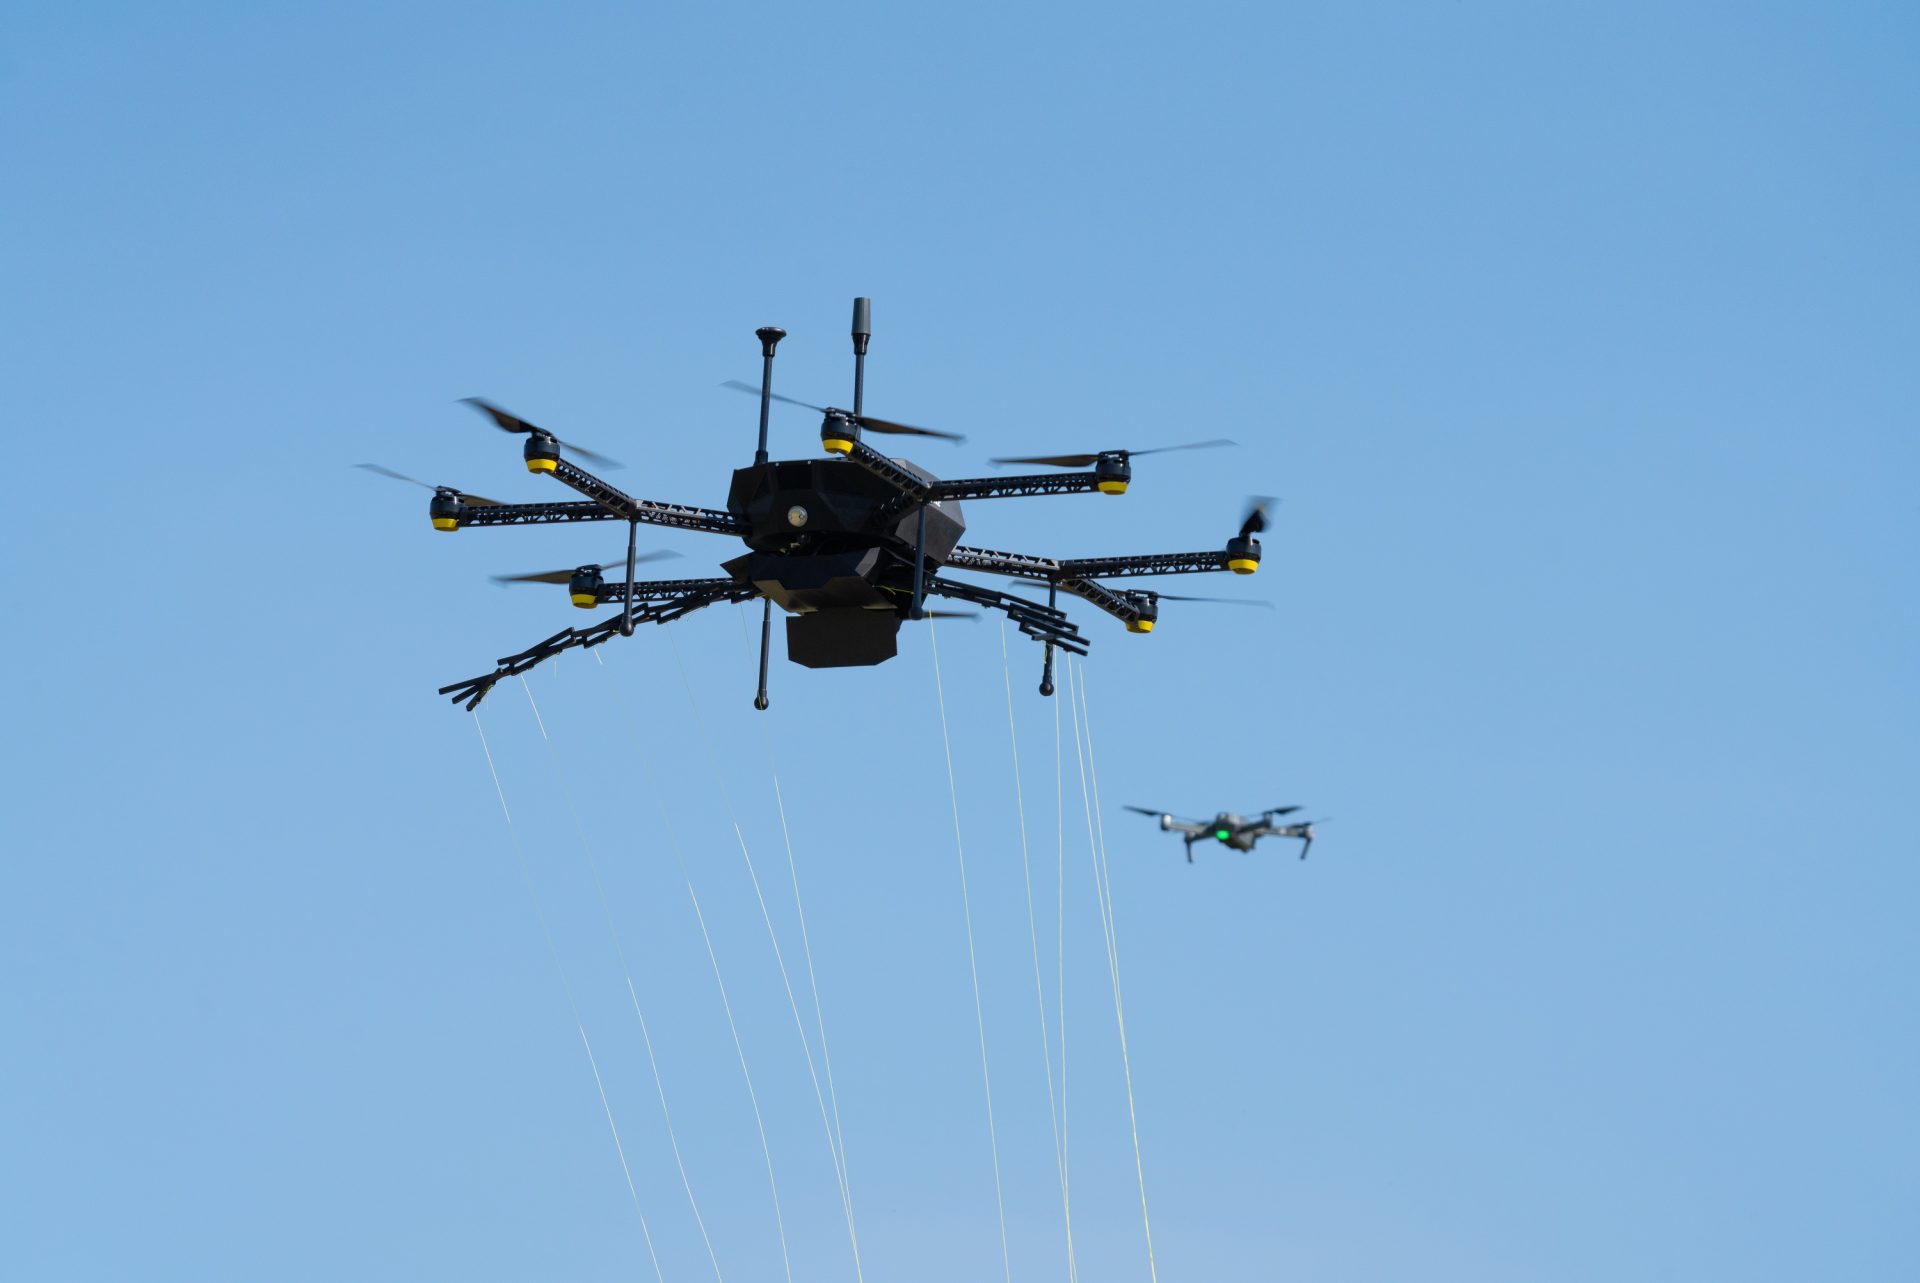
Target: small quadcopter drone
x=849 y=546
x=1231 y=830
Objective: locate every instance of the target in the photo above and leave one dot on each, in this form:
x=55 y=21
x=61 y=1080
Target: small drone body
x=850 y=546
x=1235 y=831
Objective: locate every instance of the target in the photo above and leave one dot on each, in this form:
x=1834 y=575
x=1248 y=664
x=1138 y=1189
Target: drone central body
x=850 y=546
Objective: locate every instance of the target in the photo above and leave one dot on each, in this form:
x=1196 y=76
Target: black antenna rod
x=769 y=336
x=766 y=643
x=862 y=331
x=626 y=612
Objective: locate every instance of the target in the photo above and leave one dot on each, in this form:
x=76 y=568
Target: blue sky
x=1577 y=342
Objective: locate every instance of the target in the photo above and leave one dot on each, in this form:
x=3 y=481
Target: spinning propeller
x=565 y=576
x=473 y=500
x=886 y=427
x=1088 y=460
x=513 y=423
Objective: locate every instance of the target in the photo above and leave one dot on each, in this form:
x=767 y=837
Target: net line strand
x=973 y=966
x=713 y=959
x=1033 y=942
x=813 y=981
x=546 y=934
x=626 y=973
x=1060 y=959
x=779 y=956
x=1103 y=887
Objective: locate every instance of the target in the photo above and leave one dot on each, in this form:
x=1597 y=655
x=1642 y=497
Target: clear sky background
x=1578 y=341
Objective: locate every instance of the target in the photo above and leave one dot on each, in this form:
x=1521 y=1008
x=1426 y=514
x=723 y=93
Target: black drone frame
x=663 y=601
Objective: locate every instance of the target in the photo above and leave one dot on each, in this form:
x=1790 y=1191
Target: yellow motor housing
x=542 y=465
x=586 y=600
x=1111 y=487
x=1242 y=565
x=837 y=445
x=446 y=523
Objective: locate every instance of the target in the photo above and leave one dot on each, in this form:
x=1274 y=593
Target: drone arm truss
x=1042 y=623
x=1046 y=483
x=618 y=503
x=665 y=591
x=533 y=514
x=911 y=487
x=662 y=608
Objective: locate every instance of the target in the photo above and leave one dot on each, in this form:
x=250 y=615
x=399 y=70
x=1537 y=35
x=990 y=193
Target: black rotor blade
x=1219 y=601
x=475 y=500
x=1256 y=518
x=1088 y=460
x=538 y=577
x=1053 y=460
x=886 y=427
x=658 y=554
x=1191 y=445
x=562 y=576
x=591 y=456
x=889 y=428
x=514 y=423
x=753 y=389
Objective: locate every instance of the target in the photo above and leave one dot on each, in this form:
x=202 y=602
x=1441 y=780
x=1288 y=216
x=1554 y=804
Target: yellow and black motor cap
x=1243 y=550
x=838 y=432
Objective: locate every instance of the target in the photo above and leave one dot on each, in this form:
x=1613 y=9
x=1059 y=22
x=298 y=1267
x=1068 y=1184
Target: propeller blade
x=562 y=576
x=1191 y=445
x=1256 y=518
x=1088 y=460
x=1221 y=601
x=539 y=577
x=1053 y=460
x=886 y=427
x=753 y=389
x=889 y=428
x=514 y=423
x=501 y=419
x=592 y=456
x=397 y=476
x=475 y=500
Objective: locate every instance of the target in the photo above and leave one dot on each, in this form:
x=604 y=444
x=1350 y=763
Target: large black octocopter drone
x=848 y=546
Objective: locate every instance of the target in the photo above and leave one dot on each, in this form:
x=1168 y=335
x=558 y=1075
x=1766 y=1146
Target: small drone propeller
x=562 y=576
x=472 y=499
x=1088 y=460
x=1256 y=518
x=886 y=427
x=513 y=423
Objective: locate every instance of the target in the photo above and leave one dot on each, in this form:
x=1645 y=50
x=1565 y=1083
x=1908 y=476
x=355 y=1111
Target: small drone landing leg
x=1046 y=665
x=766 y=641
x=626 y=615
